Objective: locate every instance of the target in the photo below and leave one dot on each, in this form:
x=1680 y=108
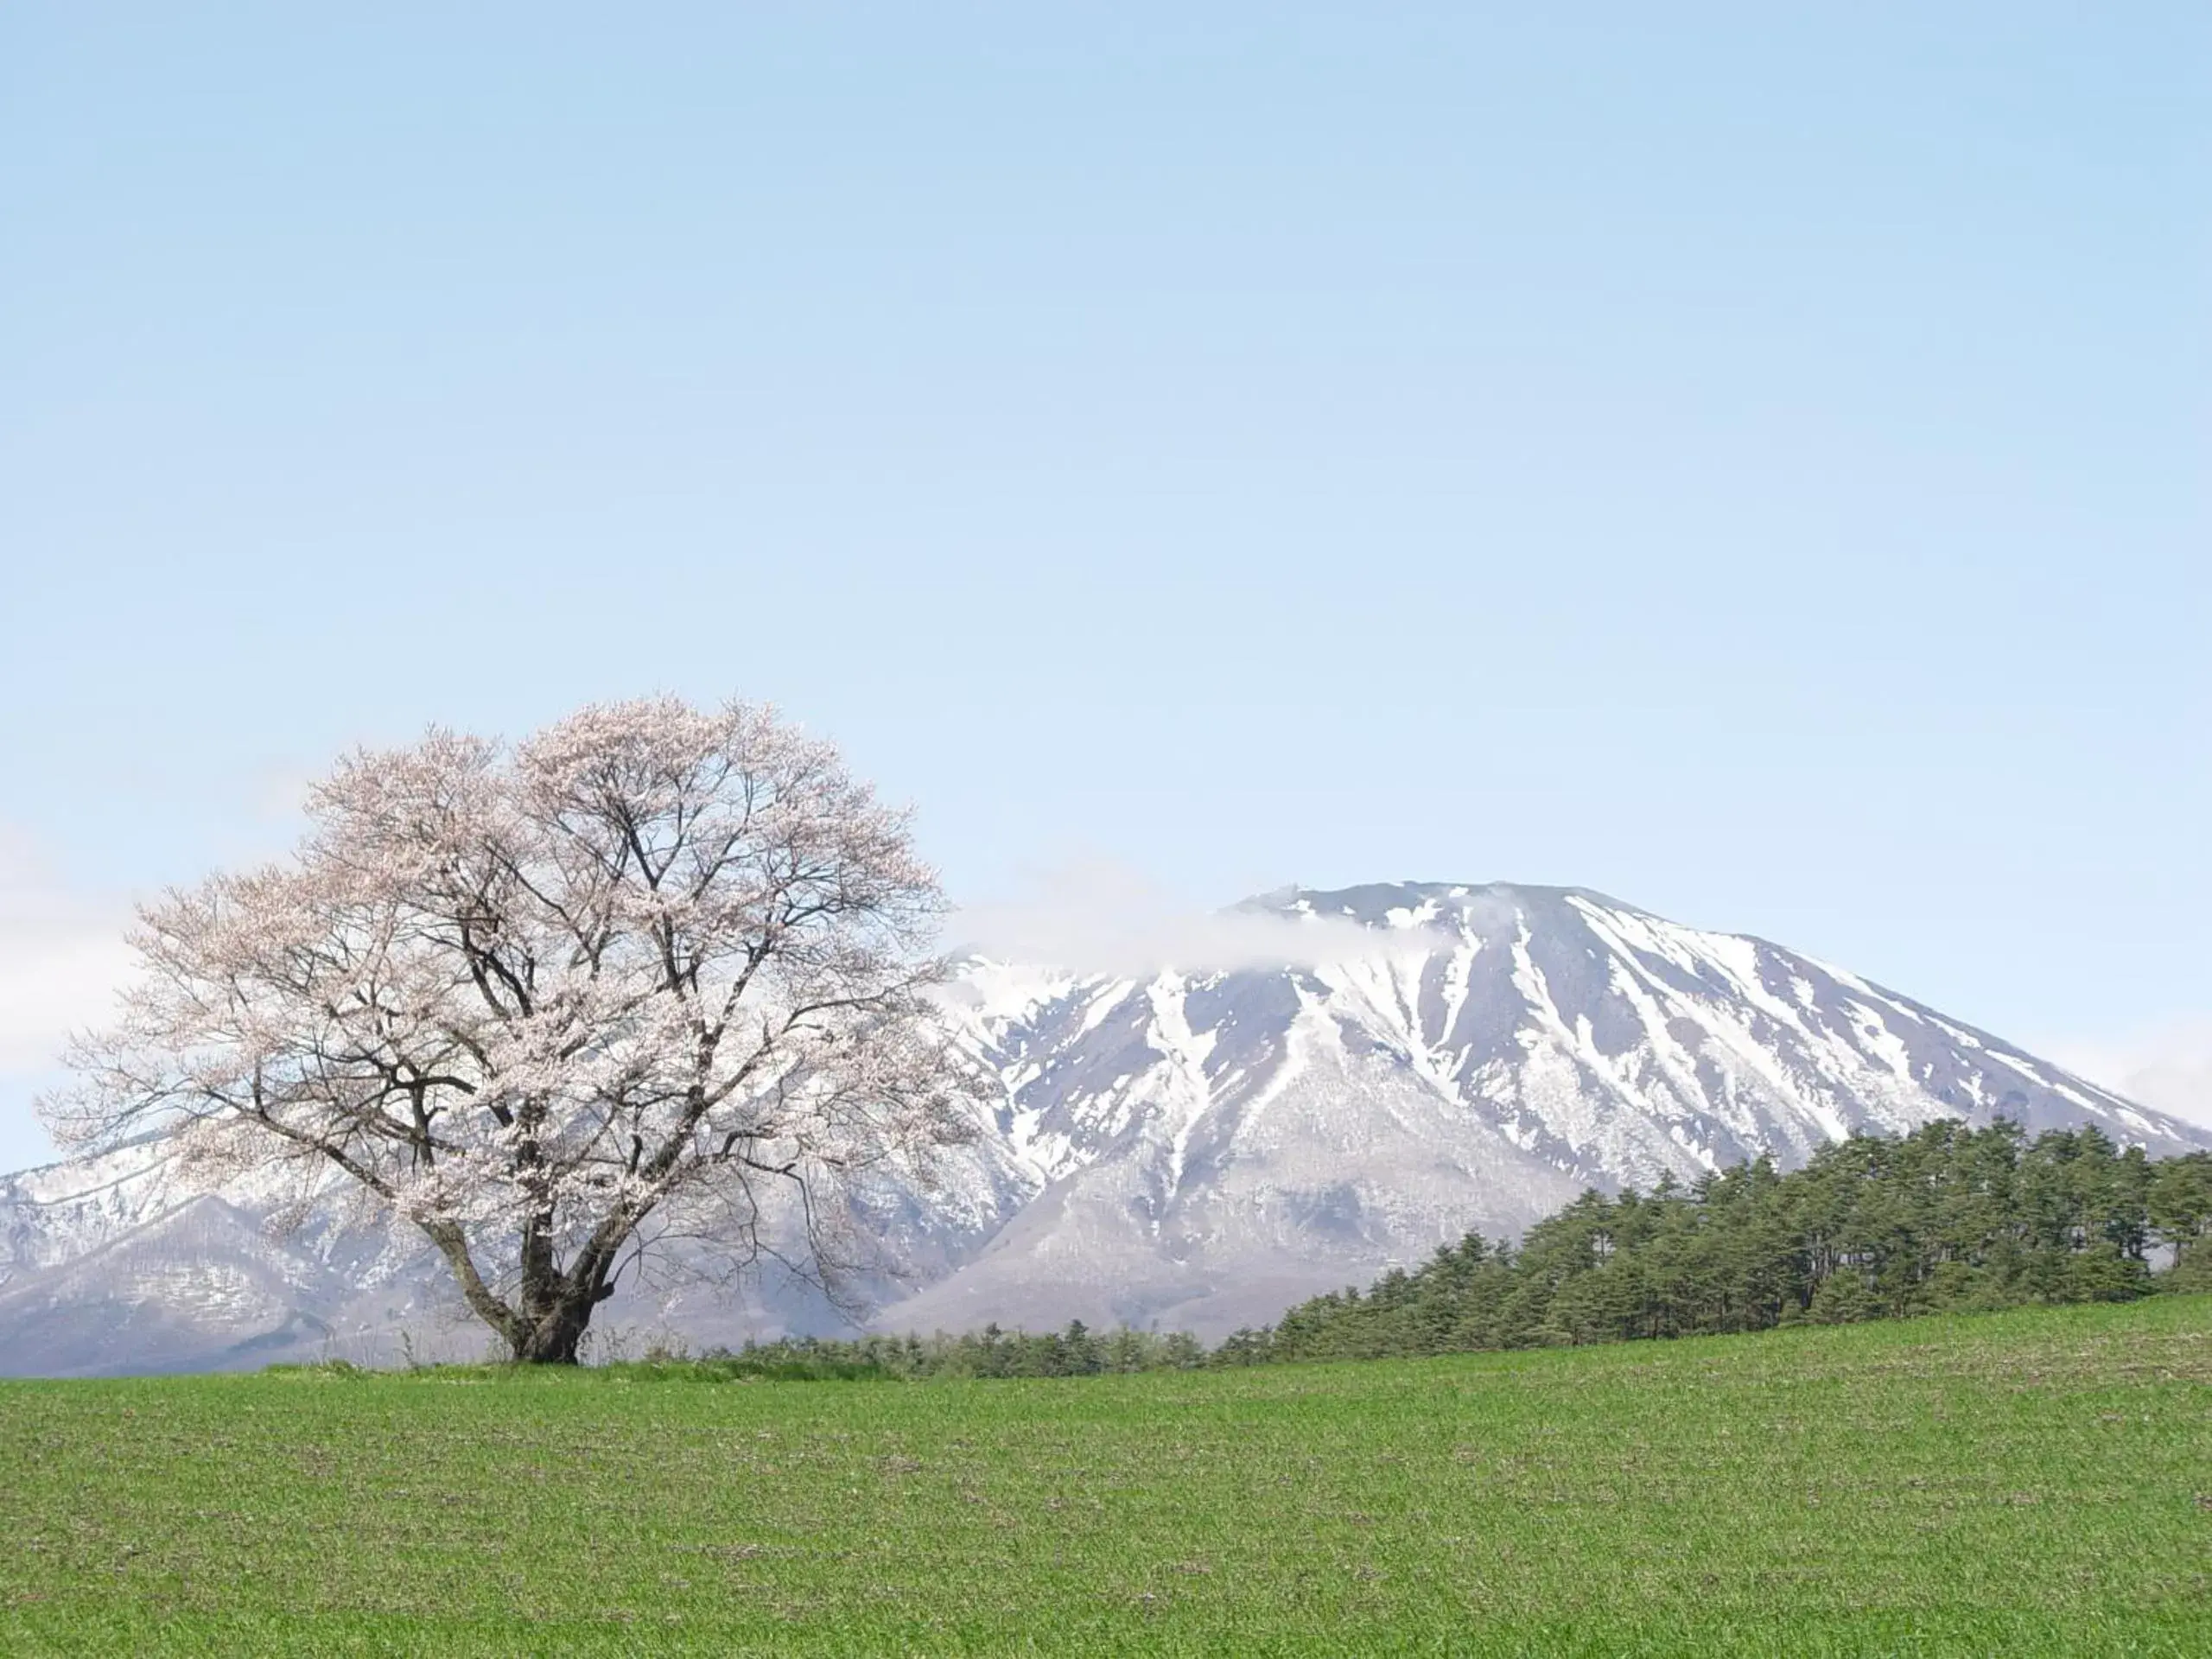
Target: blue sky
x=1753 y=463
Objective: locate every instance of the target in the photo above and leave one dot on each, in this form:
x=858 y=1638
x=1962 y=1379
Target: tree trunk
x=552 y=1334
x=555 y=1307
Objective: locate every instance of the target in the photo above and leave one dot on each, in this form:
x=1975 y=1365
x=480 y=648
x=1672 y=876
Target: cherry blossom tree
x=655 y=970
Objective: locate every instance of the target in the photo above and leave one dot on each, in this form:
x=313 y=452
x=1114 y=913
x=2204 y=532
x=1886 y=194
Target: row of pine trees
x=1946 y=1219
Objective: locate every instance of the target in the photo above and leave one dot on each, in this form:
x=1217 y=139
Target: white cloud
x=2168 y=1067
x=1102 y=919
x=61 y=960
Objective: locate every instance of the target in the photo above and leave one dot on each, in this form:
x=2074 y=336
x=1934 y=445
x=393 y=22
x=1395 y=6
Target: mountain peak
x=1402 y=903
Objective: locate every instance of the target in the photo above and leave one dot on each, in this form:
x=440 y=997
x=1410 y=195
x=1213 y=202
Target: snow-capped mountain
x=124 y=1261
x=1214 y=1144
x=1366 y=1074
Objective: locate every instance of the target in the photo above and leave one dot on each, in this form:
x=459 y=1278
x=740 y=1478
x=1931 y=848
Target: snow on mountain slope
x=1378 y=1069
x=124 y=1261
x=1475 y=1056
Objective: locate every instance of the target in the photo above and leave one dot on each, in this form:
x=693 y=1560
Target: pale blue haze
x=1752 y=464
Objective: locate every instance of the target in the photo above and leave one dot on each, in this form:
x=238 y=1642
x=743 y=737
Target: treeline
x=1075 y=1351
x=1946 y=1219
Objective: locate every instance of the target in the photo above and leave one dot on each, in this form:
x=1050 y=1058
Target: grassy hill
x=2031 y=1481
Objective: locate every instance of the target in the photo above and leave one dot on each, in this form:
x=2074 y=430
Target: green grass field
x=2038 y=1482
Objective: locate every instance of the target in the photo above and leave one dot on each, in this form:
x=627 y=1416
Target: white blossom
x=652 y=964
